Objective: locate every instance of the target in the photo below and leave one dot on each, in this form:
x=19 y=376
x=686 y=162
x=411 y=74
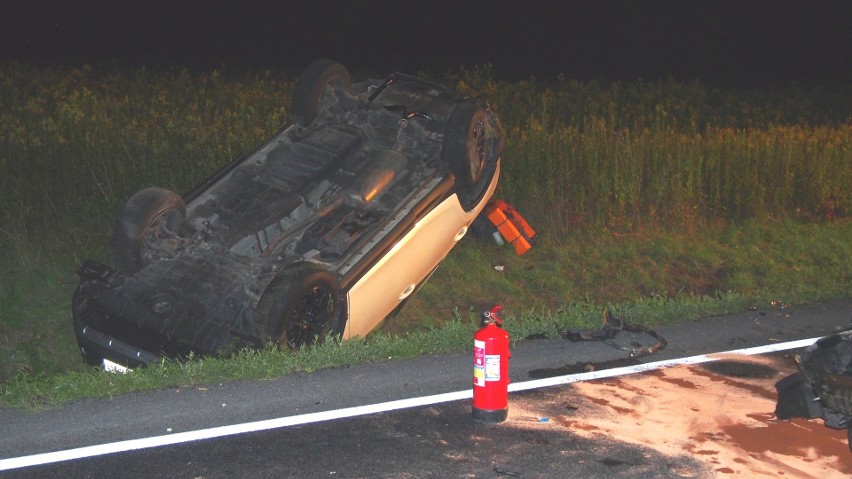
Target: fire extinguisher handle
x=492 y=316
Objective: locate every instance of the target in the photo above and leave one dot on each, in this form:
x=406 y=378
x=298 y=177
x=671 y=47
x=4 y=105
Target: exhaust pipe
x=374 y=178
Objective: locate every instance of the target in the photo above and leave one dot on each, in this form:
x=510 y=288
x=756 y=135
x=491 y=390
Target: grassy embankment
x=664 y=200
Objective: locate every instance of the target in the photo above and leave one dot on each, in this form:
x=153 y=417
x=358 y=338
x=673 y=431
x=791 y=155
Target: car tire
x=311 y=86
x=302 y=307
x=151 y=213
x=473 y=142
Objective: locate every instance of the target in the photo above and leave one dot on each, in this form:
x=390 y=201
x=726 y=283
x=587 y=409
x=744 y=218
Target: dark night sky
x=724 y=41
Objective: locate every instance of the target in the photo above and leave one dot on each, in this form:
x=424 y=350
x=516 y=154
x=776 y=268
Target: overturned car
x=325 y=229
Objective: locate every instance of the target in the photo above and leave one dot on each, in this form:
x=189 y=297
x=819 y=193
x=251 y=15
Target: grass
x=795 y=261
x=35 y=391
x=665 y=200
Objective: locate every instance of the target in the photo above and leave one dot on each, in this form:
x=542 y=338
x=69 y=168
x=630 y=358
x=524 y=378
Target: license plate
x=112 y=367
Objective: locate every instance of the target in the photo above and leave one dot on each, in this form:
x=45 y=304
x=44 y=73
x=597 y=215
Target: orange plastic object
x=511 y=225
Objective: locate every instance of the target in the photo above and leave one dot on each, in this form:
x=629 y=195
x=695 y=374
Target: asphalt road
x=438 y=440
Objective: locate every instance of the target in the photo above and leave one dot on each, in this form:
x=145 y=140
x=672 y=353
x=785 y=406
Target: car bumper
x=96 y=345
x=134 y=321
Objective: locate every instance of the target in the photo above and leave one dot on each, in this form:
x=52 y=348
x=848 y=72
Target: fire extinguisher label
x=478 y=363
x=492 y=367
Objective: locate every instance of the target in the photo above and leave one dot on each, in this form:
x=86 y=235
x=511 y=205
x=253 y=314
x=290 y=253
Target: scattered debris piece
x=610 y=329
x=507 y=473
x=823 y=386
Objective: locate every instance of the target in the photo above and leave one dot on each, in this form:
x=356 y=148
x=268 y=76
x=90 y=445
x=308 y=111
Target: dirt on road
x=721 y=413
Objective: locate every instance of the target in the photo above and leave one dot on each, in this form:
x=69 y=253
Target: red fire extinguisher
x=491 y=369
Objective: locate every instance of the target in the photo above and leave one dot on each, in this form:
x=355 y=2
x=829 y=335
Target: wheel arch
x=473 y=160
x=287 y=287
x=310 y=86
x=139 y=214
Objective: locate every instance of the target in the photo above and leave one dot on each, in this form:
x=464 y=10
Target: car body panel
x=412 y=259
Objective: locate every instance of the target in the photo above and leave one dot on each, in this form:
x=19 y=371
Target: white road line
x=216 y=432
x=638 y=368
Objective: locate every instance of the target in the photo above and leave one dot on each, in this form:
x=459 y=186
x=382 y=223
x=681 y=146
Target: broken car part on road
x=610 y=329
x=823 y=386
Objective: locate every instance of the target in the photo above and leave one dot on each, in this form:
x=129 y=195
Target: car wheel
x=473 y=143
x=302 y=307
x=147 y=226
x=311 y=87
